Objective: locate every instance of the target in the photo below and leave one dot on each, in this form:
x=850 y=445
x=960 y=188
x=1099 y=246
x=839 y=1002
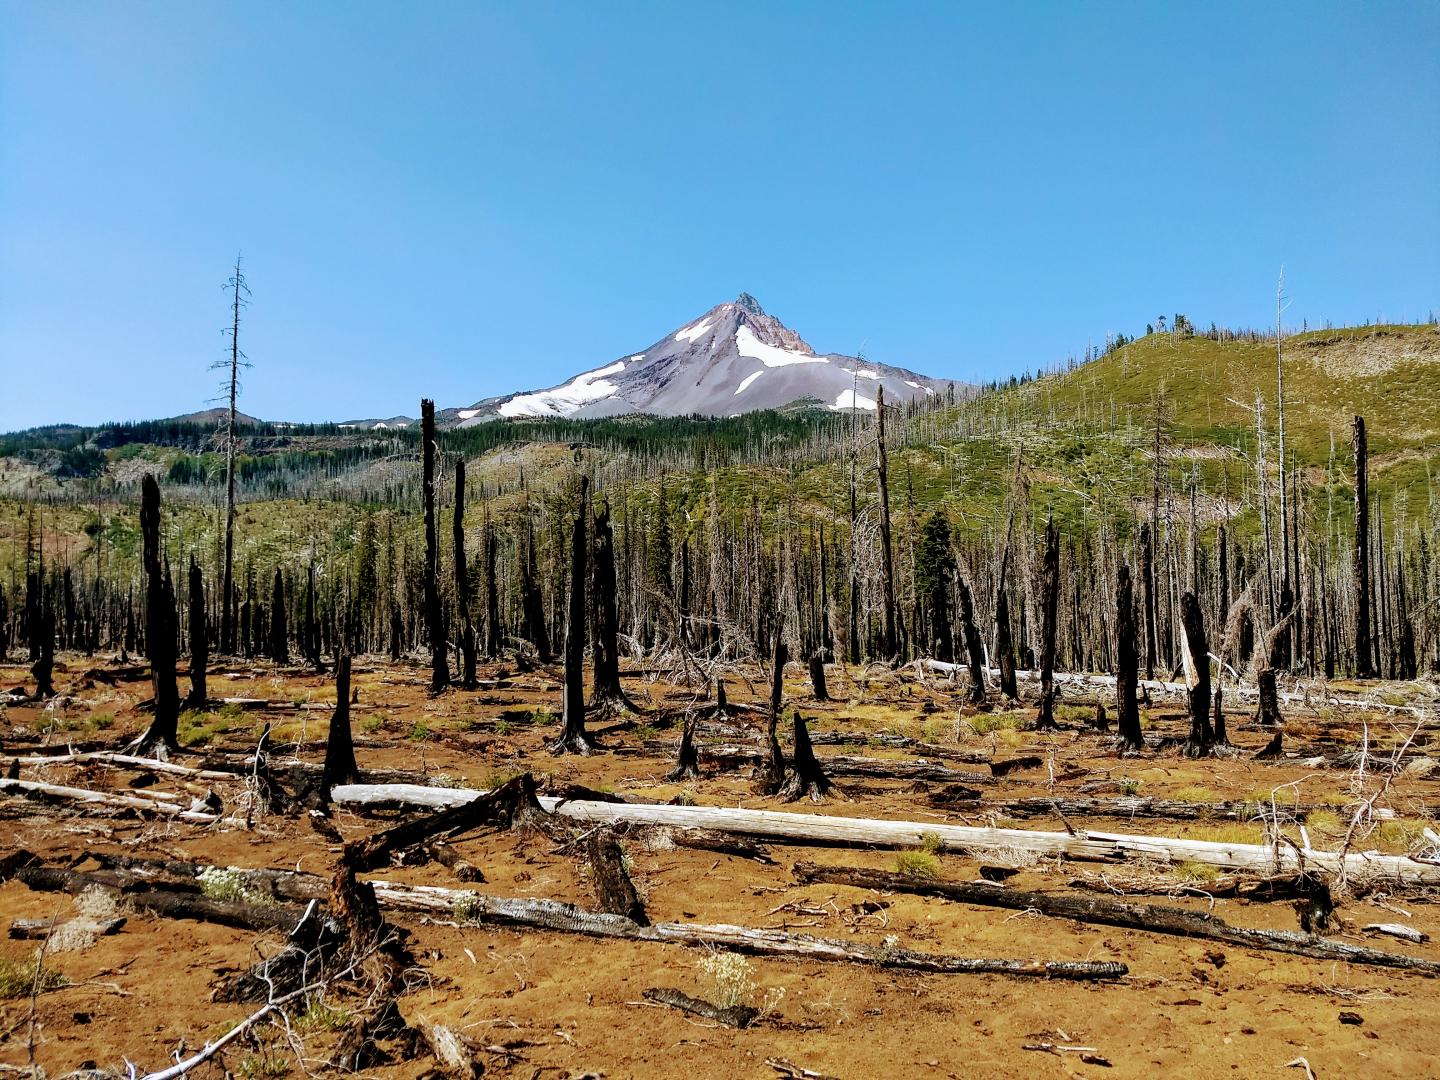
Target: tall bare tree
x=230 y=387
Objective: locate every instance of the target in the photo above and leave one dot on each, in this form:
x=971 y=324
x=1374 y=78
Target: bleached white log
x=875 y=832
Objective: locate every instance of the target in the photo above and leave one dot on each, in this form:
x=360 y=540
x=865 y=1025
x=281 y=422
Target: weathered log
x=1126 y=806
x=511 y=805
x=1152 y=918
x=567 y=918
x=167 y=903
x=736 y=1016
x=835 y=829
x=703 y=840
x=33 y=789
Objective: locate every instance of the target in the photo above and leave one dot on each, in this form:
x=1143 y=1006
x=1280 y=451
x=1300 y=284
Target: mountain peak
x=749 y=303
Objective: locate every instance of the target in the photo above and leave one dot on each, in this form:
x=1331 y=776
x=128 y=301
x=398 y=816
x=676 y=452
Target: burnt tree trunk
x=817 y=675
x=890 y=642
x=773 y=774
x=1127 y=665
x=574 y=739
x=340 y=767
x=494 y=632
x=1364 y=656
x=1004 y=639
x=468 y=679
x=279 y=629
x=531 y=603
x=974 y=647
x=199 y=640
x=163 y=733
x=434 y=617
x=687 y=759
x=1147 y=584
x=606 y=692
x=1049 y=614
x=1197 y=676
x=807 y=778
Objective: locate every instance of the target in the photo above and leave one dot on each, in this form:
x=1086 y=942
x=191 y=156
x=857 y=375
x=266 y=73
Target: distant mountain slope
x=1388 y=374
x=735 y=358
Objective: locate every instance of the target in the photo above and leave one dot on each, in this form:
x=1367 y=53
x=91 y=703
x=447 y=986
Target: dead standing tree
x=340 y=766
x=607 y=694
x=974 y=647
x=573 y=738
x=434 y=617
x=231 y=387
x=468 y=679
x=1364 y=655
x=772 y=772
x=890 y=643
x=1049 y=605
x=162 y=735
x=199 y=640
x=1127 y=664
x=1196 y=656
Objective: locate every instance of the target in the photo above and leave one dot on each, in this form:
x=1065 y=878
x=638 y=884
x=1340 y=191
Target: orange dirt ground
x=557 y=1005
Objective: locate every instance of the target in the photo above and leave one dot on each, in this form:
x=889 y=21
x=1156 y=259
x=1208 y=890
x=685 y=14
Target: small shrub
x=102 y=721
x=917 y=865
x=498 y=778
x=419 y=732
x=17 y=977
x=370 y=725
x=319 y=1016
x=1324 y=821
x=645 y=731
x=466 y=908
x=1196 y=871
x=222 y=883
x=730 y=976
x=1130 y=785
x=931 y=843
x=1400 y=835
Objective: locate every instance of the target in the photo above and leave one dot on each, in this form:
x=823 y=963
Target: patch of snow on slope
x=848 y=399
x=466 y=414
x=745 y=382
x=865 y=373
x=690 y=333
x=771 y=355
x=564 y=400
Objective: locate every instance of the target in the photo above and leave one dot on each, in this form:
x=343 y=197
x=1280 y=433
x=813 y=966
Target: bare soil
x=550 y=1004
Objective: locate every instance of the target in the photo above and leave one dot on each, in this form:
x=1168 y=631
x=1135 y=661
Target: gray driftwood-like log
x=511 y=805
x=567 y=918
x=1153 y=918
x=1086 y=844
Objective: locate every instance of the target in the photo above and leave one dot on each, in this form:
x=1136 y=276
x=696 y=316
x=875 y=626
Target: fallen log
x=1153 y=918
x=567 y=918
x=736 y=1016
x=167 y=903
x=834 y=829
x=153 y=804
x=1130 y=806
x=735 y=755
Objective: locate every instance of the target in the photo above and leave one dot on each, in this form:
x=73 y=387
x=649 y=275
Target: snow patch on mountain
x=746 y=382
x=747 y=344
x=849 y=399
x=690 y=333
x=564 y=400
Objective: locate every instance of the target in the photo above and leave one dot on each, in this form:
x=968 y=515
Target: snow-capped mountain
x=733 y=359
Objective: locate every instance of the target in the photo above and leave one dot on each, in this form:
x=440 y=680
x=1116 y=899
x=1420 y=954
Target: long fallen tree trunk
x=34 y=790
x=1128 y=806
x=567 y=918
x=736 y=754
x=1154 y=918
x=833 y=829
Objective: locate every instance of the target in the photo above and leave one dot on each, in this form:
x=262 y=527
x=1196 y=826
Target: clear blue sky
x=456 y=200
